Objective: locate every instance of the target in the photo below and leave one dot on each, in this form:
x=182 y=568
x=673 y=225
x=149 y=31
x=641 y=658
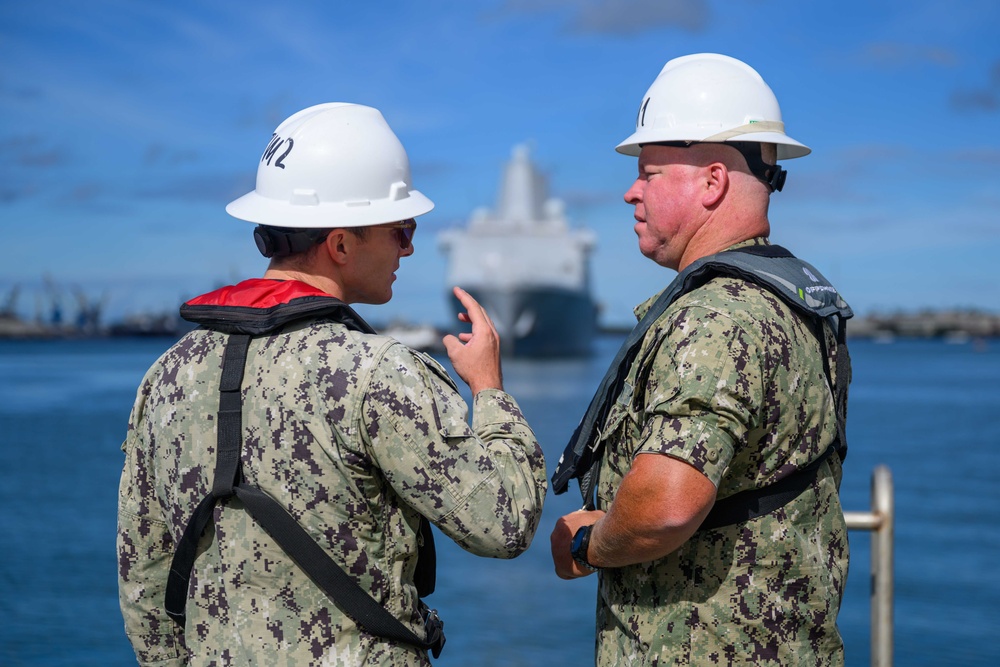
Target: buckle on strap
x=434 y=627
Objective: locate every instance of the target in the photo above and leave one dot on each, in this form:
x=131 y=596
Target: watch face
x=578 y=548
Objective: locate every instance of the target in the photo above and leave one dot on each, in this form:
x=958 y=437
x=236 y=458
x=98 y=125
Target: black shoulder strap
x=798 y=284
x=752 y=503
x=325 y=572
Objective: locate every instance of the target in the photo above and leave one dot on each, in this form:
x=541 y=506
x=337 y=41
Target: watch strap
x=580 y=546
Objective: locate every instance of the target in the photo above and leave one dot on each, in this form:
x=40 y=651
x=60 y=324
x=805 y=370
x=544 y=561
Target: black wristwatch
x=578 y=548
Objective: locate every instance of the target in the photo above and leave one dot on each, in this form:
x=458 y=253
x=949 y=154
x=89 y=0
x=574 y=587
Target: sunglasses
x=404 y=231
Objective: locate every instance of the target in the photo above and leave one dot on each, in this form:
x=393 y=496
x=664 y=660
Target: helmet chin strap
x=772 y=175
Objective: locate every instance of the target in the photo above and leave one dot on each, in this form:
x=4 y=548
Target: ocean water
x=928 y=410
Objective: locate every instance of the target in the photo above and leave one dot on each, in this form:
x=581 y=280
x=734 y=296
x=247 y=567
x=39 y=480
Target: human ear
x=716 y=183
x=338 y=245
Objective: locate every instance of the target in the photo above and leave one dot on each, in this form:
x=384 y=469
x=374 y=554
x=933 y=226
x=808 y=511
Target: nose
x=407 y=251
x=634 y=194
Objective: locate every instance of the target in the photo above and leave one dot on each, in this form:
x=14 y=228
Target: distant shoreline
x=952 y=325
x=945 y=324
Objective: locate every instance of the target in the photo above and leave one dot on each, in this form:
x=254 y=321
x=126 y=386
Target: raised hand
x=475 y=355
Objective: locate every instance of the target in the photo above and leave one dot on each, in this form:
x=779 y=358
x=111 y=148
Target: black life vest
x=798 y=284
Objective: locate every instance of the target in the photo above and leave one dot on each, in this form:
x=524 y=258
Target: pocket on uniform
x=616 y=439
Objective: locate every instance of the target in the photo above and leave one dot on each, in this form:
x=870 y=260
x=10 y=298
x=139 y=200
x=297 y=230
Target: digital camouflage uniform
x=357 y=436
x=731 y=382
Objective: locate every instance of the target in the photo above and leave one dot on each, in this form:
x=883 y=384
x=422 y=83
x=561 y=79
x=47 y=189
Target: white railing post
x=880 y=521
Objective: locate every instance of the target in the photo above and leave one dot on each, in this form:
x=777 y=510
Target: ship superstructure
x=527 y=266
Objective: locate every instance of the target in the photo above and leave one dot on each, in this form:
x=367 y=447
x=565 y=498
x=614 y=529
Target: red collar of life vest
x=258 y=306
x=258 y=293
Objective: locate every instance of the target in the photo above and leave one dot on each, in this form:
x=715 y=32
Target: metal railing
x=880 y=521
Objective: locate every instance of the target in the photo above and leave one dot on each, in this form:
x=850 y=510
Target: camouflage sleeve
x=703 y=392
x=145 y=550
x=483 y=488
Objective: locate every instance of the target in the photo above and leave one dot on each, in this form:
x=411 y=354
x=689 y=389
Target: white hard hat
x=332 y=165
x=714 y=98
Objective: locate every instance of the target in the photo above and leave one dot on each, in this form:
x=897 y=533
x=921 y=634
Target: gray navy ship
x=527 y=266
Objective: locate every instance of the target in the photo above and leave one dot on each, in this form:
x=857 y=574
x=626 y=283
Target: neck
x=727 y=225
x=321 y=282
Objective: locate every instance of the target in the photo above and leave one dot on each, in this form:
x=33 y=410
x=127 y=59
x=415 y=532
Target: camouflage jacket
x=357 y=436
x=730 y=381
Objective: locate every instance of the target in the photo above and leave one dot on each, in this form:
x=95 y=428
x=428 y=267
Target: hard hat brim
x=788 y=148
x=277 y=213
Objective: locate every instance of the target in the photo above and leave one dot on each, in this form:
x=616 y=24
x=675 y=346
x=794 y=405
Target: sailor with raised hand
x=283 y=461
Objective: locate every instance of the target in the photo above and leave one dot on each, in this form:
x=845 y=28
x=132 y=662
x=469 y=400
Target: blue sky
x=127 y=126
